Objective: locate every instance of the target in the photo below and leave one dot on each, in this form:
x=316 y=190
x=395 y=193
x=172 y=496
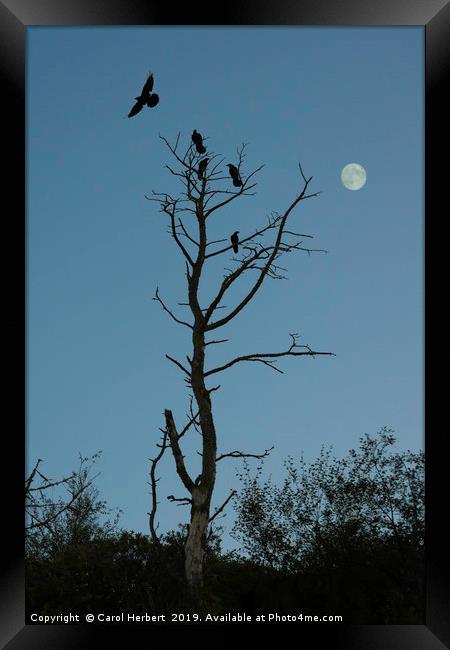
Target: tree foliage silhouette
x=351 y=529
x=342 y=536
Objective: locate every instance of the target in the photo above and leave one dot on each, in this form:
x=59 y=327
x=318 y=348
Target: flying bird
x=152 y=100
x=202 y=168
x=198 y=141
x=235 y=241
x=234 y=173
x=146 y=98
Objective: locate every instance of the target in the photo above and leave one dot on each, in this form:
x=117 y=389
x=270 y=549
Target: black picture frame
x=15 y=17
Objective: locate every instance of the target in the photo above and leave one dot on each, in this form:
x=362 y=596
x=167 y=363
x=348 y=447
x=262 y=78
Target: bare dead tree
x=202 y=195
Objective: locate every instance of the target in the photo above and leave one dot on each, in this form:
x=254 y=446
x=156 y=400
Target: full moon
x=353 y=176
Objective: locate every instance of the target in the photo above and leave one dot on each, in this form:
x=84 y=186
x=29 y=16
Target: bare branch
x=298 y=234
x=47 y=484
x=153 y=482
x=262 y=273
x=171 y=214
x=173 y=149
x=193 y=421
x=219 y=510
x=183 y=501
x=186 y=234
x=178 y=456
x=161 y=302
x=177 y=363
x=263 y=357
x=29 y=480
x=215 y=241
x=243 y=190
x=258 y=233
x=240 y=454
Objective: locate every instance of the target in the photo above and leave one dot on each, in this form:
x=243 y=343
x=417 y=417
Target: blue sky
x=97 y=249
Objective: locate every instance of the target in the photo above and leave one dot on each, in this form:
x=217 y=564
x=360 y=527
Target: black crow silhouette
x=234 y=173
x=152 y=100
x=145 y=98
x=198 y=141
x=202 y=167
x=235 y=241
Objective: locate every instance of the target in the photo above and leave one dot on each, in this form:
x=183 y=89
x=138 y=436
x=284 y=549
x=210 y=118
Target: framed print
x=231 y=222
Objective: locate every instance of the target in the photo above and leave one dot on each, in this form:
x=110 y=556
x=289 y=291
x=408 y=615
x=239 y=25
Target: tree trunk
x=202 y=492
x=196 y=541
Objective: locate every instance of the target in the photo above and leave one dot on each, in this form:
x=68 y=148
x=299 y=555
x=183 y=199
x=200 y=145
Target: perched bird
x=234 y=173
x=202 y=168
x=235 y=241
x=198 y=141
x=146 y=98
